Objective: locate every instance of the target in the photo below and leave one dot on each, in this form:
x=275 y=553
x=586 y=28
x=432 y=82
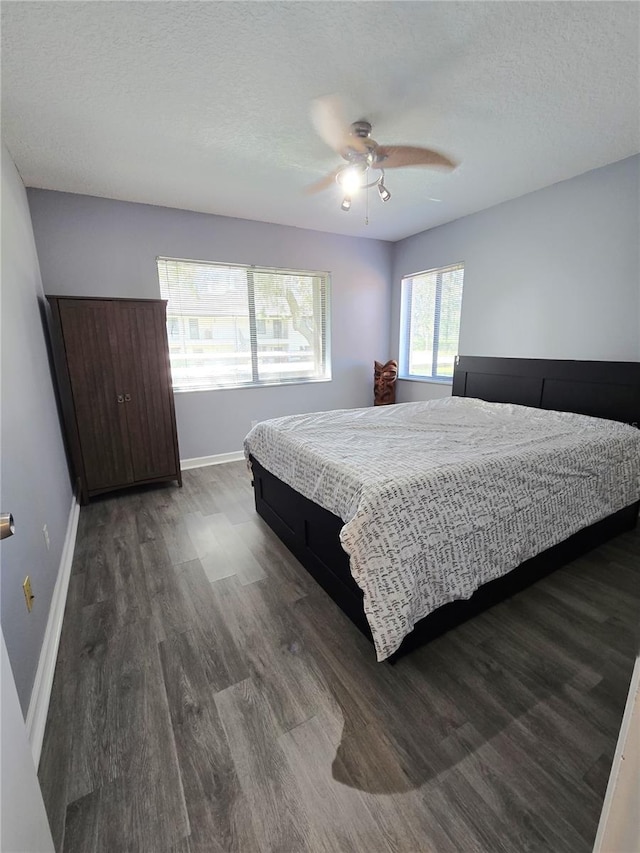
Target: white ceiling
x=205 y=105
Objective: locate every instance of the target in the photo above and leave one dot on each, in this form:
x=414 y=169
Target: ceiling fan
x=366 y=160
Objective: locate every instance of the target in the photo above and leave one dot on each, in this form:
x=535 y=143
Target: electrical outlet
x=45 y=533
x=28 y=594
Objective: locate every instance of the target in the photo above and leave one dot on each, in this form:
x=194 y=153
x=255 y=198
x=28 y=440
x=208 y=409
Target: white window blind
x=232 y=325
x=430 y=323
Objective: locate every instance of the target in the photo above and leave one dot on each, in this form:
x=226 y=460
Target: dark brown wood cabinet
x=112 y=360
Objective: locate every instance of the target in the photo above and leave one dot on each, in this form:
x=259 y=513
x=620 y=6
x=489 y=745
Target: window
x=430 y=323
x=251 y=326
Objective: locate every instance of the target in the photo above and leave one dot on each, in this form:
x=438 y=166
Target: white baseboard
x=218 y=459
x=41 y=693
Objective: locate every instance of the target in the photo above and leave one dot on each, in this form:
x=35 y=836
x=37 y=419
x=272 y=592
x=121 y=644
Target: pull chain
x=366 y=216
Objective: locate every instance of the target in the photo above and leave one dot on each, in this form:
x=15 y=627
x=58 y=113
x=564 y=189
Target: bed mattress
x=440 y=497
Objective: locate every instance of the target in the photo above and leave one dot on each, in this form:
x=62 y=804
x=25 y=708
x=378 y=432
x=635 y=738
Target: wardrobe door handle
x=127 y=398
x=120 y=398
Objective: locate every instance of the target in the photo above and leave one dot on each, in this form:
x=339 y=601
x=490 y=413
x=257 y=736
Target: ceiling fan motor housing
x=361 y=128
x=365 y=154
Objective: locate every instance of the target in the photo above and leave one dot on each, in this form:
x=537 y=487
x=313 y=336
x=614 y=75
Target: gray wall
x=35 y=483
x=553 y=274
x=97 y=247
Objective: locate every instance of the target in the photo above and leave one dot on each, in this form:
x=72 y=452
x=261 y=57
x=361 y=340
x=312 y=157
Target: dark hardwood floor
x=210 y=697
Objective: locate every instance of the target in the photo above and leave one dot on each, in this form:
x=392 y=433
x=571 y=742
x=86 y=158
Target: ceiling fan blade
x=395 y=156
x=328 y=117
x=322 y=184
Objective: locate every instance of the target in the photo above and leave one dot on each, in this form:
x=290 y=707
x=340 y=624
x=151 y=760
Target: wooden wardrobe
x=112 y=360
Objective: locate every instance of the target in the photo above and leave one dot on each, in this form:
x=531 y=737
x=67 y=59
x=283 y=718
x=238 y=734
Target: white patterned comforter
x=441 y=496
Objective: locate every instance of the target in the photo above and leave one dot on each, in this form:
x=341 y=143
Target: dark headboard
x=603 y=389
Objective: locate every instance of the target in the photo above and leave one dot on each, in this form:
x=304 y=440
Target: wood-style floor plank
x=126 y=734
x=514 y=797
x=337 y=817
x=219 y=814
x=210 y=698
x=265 y=777
x=272 y=645
x=220 y=655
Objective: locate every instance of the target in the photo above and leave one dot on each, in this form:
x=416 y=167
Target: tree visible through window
x=252 y=326
x=430 y=323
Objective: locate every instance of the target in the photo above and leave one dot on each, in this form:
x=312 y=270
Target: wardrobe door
x=90 y=341
x=144 y=359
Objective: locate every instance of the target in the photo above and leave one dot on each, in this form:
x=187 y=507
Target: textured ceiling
x=205 y=105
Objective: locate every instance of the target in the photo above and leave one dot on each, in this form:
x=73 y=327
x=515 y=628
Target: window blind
x=231 y=325
x=430 y=323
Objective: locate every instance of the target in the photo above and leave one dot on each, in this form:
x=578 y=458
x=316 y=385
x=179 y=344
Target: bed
x=438 y=533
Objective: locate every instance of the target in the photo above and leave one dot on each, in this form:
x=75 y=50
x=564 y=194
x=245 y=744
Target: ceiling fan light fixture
x=383 y=192
x=350 y=179
x=346 y=203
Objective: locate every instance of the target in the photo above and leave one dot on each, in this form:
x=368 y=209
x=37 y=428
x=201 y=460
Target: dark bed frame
x=601 y=389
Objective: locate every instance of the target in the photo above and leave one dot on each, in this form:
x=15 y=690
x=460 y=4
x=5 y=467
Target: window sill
x=428 y=379
x=251 y=385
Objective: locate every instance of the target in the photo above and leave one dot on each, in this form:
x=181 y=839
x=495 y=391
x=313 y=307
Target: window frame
x=406 y=285
x=251 y=269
